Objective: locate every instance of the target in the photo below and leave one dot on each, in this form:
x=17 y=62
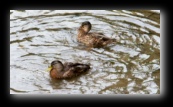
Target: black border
x=83 y=98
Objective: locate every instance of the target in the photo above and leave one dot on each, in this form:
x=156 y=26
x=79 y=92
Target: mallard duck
x=67 y=70
x=96 y=40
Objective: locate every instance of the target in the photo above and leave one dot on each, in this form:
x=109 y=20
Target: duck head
x=85 y=26
x=57 y=65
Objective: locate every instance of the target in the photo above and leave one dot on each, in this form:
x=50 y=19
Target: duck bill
x=49 y=68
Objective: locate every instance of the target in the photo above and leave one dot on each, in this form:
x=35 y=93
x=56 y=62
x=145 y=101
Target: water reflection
x=132 y=66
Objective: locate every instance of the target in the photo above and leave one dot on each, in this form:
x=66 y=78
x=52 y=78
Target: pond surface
x=132 y=66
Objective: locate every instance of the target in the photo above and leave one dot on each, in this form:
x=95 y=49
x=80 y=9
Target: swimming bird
x=67 y=70
x=92 y=39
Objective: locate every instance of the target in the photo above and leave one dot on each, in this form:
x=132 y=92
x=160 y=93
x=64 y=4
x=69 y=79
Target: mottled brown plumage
x=96 y=40
x=67 y=70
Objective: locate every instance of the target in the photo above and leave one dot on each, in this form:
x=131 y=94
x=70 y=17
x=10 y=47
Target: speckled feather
x=95 y=40
x=68 y=70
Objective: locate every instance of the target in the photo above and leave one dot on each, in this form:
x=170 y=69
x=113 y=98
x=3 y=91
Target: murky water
x=132 y=66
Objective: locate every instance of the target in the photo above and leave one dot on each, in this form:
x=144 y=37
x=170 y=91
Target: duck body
x=67 y=70
x=96 y=40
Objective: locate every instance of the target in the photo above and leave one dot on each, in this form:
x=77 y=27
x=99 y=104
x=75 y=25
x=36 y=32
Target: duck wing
x=100 y=36
x=74 y=69
x=81 y=67
x=100 y=40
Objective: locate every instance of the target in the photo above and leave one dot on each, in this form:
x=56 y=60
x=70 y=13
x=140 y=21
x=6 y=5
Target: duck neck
x=81 y=32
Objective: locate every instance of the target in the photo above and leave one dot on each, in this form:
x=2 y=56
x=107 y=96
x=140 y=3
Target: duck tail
x=109 y=41
x=114 y=40
x=85 y=67
x=88 y=66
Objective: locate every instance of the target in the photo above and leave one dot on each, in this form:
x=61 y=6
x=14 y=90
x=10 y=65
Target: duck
x=92 y=39
x=67 y=70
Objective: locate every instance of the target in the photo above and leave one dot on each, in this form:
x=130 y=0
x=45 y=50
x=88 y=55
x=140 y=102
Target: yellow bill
x=49 y=68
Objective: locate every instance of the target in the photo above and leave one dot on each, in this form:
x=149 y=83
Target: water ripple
x=131 y=66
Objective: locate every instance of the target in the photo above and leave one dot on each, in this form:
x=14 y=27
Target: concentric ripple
x=132 y=66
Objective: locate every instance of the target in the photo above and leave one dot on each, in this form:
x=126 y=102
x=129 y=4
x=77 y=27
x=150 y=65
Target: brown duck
x=95 y=40
x=67 y=70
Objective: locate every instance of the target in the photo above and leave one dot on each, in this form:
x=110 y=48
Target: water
x=132 y=66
